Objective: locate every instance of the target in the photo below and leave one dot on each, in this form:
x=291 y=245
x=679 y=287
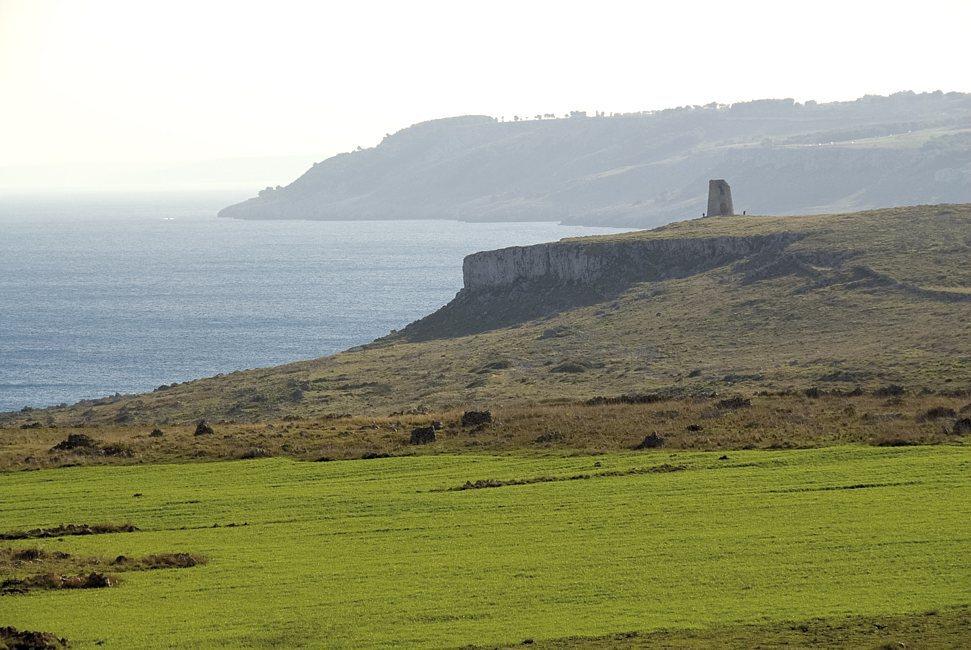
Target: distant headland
x=648 y=168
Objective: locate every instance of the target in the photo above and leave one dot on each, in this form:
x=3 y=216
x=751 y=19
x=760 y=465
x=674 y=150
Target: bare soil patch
x=13 y=639
x=495 y=483
x=69 y=529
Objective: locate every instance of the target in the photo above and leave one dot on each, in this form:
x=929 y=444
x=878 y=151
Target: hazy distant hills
x=644 y=169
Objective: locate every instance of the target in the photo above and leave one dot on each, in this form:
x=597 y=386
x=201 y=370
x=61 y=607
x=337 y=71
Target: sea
x=120 y=294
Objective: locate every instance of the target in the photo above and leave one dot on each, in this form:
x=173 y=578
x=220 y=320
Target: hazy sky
x=146 y=84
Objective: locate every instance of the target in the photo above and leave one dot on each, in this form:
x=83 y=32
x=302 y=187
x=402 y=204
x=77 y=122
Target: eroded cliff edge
x=512 y=285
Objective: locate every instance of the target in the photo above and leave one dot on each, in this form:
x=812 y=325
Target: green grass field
x=380 y=553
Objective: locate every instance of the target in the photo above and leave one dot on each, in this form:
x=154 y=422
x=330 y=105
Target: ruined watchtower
x=719 y=199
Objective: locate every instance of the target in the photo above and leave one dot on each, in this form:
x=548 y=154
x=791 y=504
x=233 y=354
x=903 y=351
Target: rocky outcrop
x=610 y=262
x=512 y=285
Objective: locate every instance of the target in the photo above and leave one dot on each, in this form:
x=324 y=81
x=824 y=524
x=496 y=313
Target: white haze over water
x=99 y=295
x=159 y=88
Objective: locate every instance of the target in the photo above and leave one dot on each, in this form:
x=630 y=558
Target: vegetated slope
x=379 y=553
x=645 y=169
x=797 y=420
x=834 y=301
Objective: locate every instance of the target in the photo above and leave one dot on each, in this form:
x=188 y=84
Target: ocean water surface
x=122 y=296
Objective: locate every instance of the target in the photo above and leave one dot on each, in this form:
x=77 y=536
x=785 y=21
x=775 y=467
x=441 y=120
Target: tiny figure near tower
x=720 y=199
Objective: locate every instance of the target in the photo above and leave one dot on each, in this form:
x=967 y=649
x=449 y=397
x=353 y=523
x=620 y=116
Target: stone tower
x=719 y=199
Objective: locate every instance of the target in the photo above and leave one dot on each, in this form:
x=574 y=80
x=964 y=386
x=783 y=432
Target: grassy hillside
x=865 y=299
x=746 y=550
x=644 y=169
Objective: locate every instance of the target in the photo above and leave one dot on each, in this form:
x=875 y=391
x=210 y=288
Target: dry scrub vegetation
x=887 y=416
x=27 y=569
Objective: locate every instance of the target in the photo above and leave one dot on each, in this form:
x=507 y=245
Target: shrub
x=961 y=427
x=892 y=390
x=500 y=364
x=370 y=455
x=422 y=435
x=632 y=398
x=895 y=441
x=555 y=332
x=117 y=449
x=476 y=418
x=652 y=441
x=203 y=428
x=76 y=442
x=255 y=452
x=735 y=402
x=550 y=437
x=572 y=367
x=935 y=413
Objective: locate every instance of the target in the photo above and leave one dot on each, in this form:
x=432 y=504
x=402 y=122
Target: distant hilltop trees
x=754 y=106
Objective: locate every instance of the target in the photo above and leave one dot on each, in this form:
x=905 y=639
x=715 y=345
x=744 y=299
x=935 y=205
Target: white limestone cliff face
x=594 y=263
